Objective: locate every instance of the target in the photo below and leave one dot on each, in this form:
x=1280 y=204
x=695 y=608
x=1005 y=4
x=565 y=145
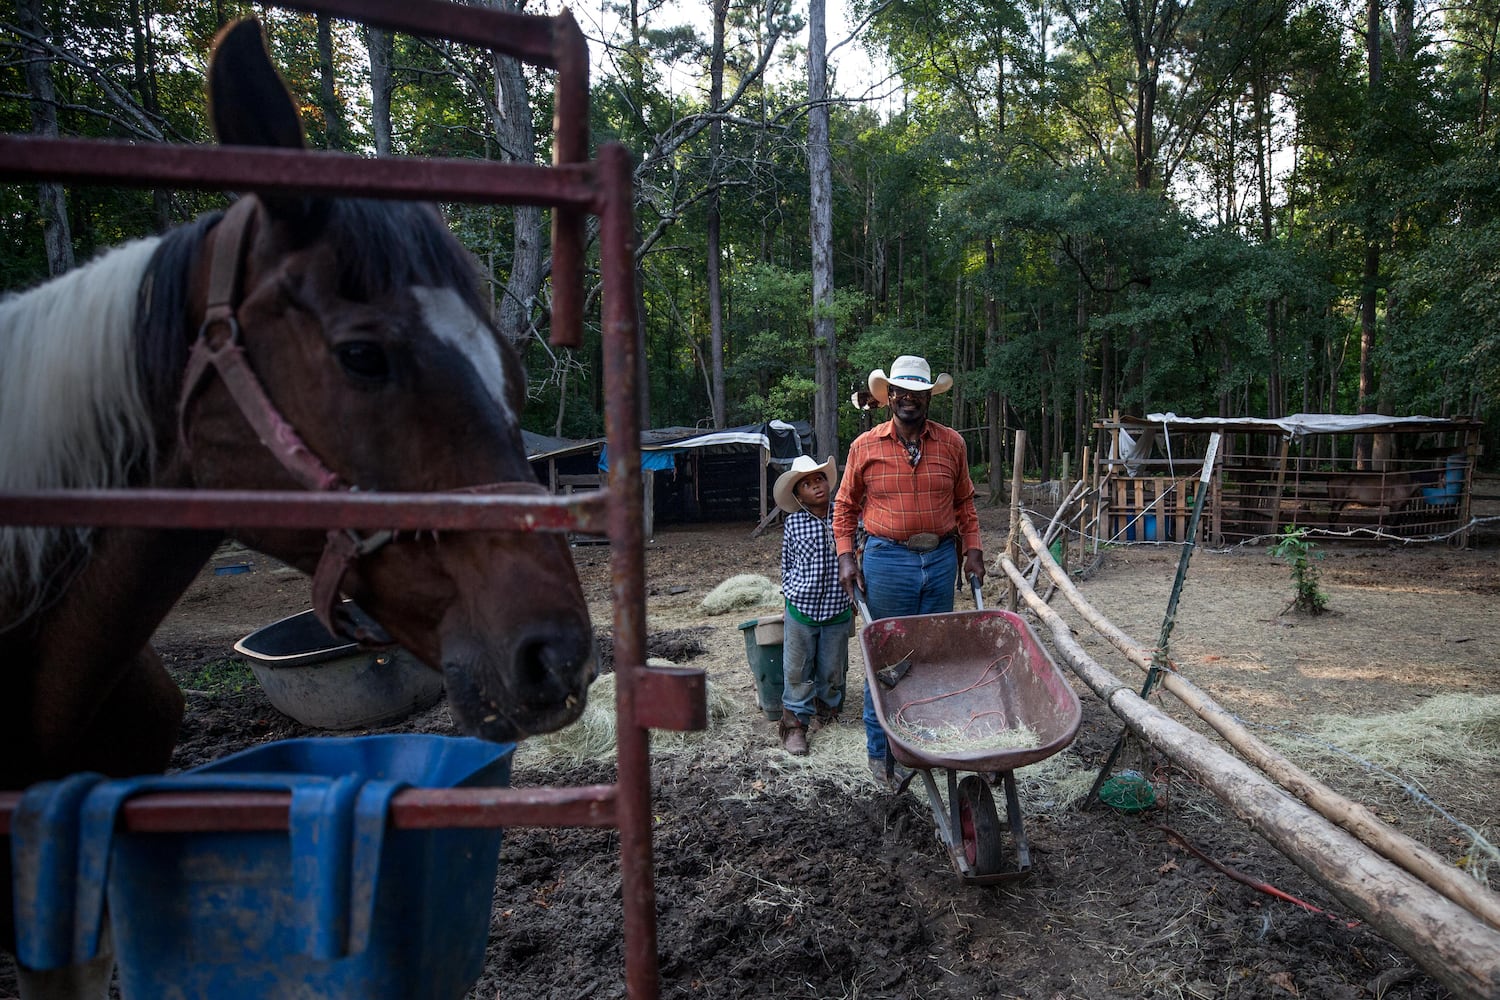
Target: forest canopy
x=1213 y=207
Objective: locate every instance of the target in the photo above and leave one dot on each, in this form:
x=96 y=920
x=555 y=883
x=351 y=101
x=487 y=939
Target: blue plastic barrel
x=340 y=907
x=1453 y=474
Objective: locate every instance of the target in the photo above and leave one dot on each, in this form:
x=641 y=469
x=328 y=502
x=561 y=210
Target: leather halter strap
x=218 y=350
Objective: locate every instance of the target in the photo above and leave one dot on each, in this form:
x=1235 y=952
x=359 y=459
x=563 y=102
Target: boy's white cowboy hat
x=909 y=372
x=803 y=466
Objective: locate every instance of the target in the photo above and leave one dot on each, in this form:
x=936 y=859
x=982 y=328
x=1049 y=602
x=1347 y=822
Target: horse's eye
x=364 y=359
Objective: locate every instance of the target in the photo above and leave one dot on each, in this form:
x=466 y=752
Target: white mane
x=72 y=409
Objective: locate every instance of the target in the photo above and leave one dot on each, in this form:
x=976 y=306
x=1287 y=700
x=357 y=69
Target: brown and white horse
x=352 y=338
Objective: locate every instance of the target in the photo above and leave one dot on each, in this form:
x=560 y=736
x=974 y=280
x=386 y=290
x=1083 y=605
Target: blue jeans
x=814 y=660
x=898 y=583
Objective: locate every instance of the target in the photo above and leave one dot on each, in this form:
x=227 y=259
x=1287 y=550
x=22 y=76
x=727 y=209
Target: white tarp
x=1298 y=424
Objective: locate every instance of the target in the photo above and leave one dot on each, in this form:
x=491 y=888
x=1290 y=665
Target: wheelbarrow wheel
x=979 y=826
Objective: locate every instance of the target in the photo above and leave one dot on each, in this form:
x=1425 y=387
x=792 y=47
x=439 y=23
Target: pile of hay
x=593 y=736
x=739 y=592
x=1385 y=759
x=1448 y=731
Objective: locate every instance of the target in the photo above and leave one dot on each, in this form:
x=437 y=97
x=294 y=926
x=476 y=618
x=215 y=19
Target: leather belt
x=924 y=542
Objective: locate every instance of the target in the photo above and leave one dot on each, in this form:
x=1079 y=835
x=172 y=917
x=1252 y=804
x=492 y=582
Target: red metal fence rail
x=575 y=187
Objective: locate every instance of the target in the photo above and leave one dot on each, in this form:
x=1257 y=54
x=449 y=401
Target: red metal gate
x=574 y=187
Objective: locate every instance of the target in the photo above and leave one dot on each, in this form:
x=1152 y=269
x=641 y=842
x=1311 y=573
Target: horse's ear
x=251 y=106
x=249 y=102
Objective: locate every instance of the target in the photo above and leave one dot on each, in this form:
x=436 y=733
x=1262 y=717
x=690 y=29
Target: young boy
x=815 y=652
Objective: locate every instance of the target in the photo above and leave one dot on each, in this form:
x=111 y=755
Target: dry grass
x=1387 y=761
x=593 y=736
x=1446 y=731
x=742 y=592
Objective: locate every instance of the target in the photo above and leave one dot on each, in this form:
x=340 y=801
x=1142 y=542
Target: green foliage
x=1294 y=548
x=996 y=221
x=226 y=676
x=790 y=398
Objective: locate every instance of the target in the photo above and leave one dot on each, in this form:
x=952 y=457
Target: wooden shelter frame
x=574 y=187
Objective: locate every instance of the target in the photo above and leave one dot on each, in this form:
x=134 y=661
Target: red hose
x=1254 y=883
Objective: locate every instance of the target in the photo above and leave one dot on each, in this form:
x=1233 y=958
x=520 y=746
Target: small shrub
x=1294 y=548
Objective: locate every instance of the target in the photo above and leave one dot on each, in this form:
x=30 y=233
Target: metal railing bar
x=213 y=168
x=295 y=509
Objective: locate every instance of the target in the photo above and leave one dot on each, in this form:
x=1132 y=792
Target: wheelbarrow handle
x=859 y=602
x=978 y=593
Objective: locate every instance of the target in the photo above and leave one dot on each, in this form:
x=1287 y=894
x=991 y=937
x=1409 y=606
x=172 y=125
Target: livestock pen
x=1361 y=476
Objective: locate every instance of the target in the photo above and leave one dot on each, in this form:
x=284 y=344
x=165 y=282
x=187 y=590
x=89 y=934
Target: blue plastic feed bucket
x=230 y=915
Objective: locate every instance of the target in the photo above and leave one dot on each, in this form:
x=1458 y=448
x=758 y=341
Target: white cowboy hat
x=785 y=489
x=909 y=372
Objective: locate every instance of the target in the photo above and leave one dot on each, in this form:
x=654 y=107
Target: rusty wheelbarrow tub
x=976 y=692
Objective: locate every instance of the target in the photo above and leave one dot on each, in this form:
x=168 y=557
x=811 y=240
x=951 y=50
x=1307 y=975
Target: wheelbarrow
x=972 y=693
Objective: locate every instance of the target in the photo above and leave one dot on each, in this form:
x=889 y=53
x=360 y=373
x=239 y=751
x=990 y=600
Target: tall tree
x=516 y=136
x=328 y=99
x=715 y=152
x=51 y=203
x=378 y=44
x=820 y=176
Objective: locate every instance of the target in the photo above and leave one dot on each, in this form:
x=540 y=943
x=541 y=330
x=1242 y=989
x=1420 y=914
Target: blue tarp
x=651 y=461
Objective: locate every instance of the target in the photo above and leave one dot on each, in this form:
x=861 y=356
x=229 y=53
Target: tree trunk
x=52 y=205
x=143 y=54
x=1275 y=395
x=1044 y=429
x=379 y=44
x=993 y=417
x=1081 y=412
x=716 y=147
x=959 y=357
x=1371 y=272
x=825 y=411
x=333 y=115
x=517 y=139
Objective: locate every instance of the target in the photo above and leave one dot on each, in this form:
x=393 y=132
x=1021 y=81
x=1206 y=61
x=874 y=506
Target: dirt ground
x=782 y=879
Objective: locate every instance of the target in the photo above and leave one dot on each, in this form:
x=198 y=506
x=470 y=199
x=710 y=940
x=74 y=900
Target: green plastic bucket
x=764 y=656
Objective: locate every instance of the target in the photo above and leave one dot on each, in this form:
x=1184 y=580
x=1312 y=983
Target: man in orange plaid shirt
x=908 y=480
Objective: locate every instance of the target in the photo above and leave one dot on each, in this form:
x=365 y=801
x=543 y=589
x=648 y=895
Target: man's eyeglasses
x=896 y=392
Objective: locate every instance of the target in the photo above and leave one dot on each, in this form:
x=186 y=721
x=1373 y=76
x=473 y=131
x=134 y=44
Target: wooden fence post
x=1013 y=543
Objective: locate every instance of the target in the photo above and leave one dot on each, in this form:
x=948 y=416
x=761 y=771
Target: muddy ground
x=782 y=879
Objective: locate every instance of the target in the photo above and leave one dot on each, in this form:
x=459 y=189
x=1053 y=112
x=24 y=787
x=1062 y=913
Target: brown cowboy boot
x=824 y=716
x=793 y=734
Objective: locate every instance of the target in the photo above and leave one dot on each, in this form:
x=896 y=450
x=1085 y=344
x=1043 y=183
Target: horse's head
x=363 y=323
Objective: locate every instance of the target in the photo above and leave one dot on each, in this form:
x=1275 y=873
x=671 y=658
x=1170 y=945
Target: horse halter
x=218 y=349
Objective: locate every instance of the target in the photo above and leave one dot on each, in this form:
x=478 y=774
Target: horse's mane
x=72 y=412
x=91 y=363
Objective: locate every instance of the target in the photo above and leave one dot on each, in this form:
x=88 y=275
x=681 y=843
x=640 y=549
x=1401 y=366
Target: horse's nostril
x=551 y=664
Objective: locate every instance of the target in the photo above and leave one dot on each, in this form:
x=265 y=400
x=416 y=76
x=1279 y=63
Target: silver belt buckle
x=925 y=542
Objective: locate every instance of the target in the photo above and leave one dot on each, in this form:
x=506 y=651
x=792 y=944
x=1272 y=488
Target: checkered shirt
x=897 y=501
x=810 y=569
